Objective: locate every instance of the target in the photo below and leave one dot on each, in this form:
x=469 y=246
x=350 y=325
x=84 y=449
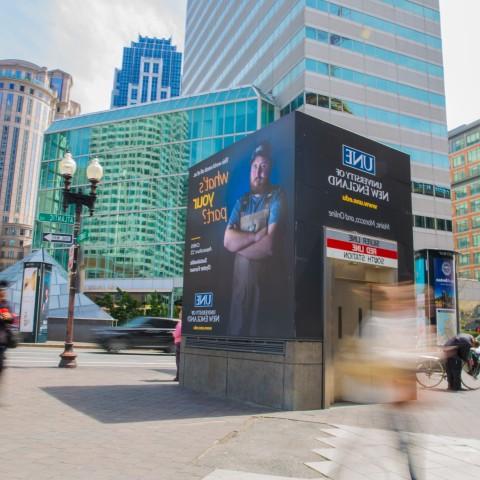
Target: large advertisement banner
x=29 y=297
x=239 y=239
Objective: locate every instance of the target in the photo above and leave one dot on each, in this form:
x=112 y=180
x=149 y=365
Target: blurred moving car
x=140 y=332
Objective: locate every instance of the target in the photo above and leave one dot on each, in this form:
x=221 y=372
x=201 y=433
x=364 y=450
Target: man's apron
x=249 y=280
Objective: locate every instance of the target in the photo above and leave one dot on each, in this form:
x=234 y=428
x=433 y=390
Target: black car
x=139 y=332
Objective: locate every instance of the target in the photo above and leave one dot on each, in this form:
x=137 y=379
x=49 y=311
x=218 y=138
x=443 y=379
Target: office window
x=419 y=221
x=476 y=258
x=146 y=67
x=430 y=223
x=473 y=155
x=417 y=187
x=473 y=137
x=155 y=68
x=474 y=188
x=476 y=222
x=474 y=171
x=476 y=240
x=428 y=189
x=442 y=192
x=463 y=242
x=462 y=225
x=458 y=176
x=475 y=205
x=457 y=144
x=460 y=192
x=458 y=161
x=464 y=259
x=461 y=208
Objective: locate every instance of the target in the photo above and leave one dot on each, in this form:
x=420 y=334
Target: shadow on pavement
x=145 y=403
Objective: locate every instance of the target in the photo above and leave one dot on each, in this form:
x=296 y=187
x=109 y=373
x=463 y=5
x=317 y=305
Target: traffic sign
x=85 y=235
x=57 y=237
x=55 y=218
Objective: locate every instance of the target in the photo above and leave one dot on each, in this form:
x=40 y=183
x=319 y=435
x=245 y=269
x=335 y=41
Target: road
x=49 y=357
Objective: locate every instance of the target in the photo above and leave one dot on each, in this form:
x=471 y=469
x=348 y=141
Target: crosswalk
x=356 y=453
x=48 y=357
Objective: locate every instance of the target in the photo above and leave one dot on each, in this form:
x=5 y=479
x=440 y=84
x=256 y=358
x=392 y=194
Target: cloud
x=86 y=38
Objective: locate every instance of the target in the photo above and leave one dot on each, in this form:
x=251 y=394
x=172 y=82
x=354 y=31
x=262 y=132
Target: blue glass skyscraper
x=151 y=70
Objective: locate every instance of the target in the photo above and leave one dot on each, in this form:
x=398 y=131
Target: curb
x=92 y=346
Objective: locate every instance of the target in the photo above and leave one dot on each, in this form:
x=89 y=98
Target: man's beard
x=259 y=189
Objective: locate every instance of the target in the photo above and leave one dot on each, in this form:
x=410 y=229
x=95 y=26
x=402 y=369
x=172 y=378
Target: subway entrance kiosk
x=283 y=227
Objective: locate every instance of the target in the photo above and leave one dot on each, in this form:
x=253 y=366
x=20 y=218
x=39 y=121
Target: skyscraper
x=151 y=70
x=465 y=170
x=31 y=97
x=372 y=67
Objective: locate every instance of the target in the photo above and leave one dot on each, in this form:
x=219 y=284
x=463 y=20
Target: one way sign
x=57 y=237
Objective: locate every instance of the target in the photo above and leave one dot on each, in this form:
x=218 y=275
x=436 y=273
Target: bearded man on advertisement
x=252 y=234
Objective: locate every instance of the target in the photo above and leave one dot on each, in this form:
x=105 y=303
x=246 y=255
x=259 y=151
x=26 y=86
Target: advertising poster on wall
x=29 y=296
x=444 y=298
x=421 y=300
x=239 y=240
x=42 y=329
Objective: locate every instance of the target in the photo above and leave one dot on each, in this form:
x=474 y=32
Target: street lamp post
x=79 y=199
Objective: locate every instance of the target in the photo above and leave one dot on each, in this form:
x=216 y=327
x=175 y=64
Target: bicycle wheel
x=430 y=373
x=472 y=382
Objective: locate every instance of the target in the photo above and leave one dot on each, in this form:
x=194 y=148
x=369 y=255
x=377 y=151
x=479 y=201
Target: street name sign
x=85 y=235
x=57 y=237
x=55 y=218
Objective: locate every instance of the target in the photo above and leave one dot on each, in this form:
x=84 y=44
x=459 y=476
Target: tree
x=121 y=305
x=156 y=305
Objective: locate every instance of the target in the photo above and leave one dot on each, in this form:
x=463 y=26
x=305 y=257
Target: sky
x=85 y=38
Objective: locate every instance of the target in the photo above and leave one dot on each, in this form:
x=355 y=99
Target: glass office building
x=373 y=67
x=151 y=71
x=136 y=235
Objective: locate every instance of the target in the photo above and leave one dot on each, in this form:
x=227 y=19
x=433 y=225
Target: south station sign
x=358 y=248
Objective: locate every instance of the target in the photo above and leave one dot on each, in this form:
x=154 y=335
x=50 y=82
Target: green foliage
x=156 y=305
x=121 y=305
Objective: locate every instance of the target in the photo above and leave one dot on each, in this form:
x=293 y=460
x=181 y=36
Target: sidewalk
x=134 y=423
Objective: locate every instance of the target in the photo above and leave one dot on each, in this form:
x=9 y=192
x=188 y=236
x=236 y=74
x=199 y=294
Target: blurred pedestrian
x=457 y=350
x=177 y=339
x=6 y=319
x=377 y=365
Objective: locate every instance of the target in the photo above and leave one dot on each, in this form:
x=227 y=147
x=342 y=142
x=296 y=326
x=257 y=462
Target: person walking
x=6 y=318
x=177 y=339
x=457 y=351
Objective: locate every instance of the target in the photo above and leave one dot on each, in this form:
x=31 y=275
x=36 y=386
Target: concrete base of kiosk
x=288 y=381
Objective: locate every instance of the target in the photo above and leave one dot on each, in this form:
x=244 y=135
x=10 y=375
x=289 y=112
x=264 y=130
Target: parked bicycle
x=431 y=372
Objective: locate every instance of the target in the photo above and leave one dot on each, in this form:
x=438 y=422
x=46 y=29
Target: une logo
x=446 y=269
x=359 y=160
x=203 y=299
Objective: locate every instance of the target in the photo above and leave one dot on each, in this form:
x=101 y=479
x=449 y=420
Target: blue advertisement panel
x=42 y=328
x=444 y=297
x=421 y=300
